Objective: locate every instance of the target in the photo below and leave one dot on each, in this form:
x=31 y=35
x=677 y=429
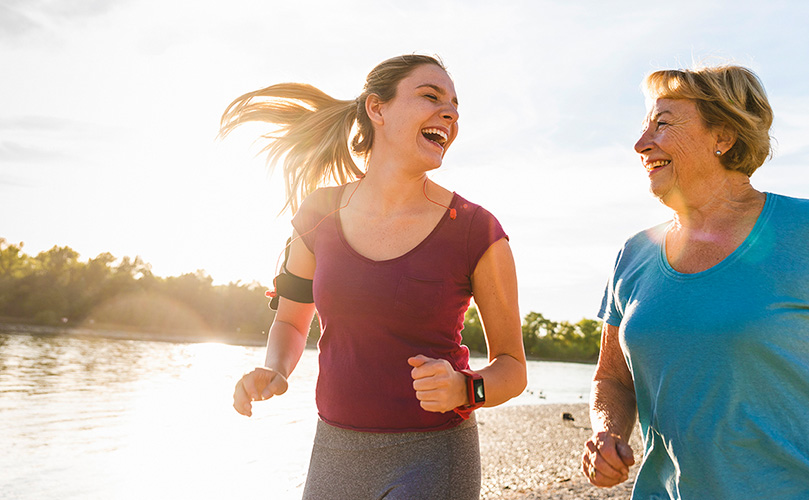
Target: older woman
x=706 y=317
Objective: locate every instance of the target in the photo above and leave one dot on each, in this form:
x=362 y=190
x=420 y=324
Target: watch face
x=480 y=394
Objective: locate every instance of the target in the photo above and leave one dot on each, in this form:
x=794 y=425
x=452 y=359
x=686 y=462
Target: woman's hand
x=606 y=460
x=438 y=386
x=258 y=385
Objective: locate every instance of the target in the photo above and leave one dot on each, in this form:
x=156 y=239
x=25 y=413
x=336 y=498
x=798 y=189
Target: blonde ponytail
x=312 y=137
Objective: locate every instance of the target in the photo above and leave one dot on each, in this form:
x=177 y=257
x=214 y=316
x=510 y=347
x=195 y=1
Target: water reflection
x=87 y=418
x=97 y=418
x=45 y=363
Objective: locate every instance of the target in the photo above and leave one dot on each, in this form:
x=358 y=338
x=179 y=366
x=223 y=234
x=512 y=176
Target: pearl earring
x=718 y=152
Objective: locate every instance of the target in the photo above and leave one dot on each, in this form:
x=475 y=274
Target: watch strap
x=465 y=411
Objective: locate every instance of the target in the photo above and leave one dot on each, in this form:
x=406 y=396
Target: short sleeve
x=314 y=209
x=484 y=231
x=609 y=311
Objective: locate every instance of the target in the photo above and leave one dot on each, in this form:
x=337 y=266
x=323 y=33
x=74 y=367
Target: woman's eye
x=661 y=124
x=431 y=97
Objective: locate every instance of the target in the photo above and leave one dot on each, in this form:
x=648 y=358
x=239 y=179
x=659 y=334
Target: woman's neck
x=708 y=229
x=391 y=185
x=718 y=206
x=390 y=190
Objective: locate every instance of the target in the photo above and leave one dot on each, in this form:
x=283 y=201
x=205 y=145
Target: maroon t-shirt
x=374 y=315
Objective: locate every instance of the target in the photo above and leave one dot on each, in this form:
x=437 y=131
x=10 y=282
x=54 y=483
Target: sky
x=109 y=111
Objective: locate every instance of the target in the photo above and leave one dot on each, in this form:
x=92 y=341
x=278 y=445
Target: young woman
x=389 y=261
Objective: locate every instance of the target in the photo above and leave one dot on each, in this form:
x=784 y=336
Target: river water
x=93 y=418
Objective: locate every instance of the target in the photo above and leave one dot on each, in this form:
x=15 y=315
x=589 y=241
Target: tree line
x=544 y=338
x=56 y=289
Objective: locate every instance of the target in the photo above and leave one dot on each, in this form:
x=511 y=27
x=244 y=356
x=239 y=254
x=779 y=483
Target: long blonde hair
x=314 y=128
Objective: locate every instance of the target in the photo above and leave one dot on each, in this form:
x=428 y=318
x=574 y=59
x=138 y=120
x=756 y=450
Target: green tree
x=472 y=333
x=12 y=262
x=14 y=266
x=548 y=339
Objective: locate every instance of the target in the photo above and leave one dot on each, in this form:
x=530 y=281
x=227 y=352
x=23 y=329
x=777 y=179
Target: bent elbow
x=519 y=380
x=523 y=381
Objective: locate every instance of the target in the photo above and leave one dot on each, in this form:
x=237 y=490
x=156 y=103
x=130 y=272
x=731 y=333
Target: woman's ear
x=725 y=138
x=373 y=107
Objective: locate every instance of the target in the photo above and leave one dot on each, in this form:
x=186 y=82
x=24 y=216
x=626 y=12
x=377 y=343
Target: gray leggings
x=435 y=465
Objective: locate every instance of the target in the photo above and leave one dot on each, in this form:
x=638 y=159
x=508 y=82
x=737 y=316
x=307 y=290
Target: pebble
x=531 y=452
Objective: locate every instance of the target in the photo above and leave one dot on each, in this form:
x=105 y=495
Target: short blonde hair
x=727 y=95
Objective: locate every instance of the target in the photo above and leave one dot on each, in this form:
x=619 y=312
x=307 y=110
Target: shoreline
x=117 y=332
x=530 y=453
x=122 y=333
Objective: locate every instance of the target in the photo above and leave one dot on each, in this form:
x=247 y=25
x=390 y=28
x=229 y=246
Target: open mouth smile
x=435 y=135
x=654 y=165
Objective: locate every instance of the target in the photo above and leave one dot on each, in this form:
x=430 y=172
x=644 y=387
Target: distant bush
x=543 y=338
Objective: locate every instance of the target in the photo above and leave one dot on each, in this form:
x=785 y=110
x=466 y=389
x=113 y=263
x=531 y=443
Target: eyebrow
x=649 y=118
x=439 y=90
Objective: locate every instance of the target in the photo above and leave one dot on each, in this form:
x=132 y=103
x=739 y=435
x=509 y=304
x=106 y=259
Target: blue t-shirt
x=720 y=361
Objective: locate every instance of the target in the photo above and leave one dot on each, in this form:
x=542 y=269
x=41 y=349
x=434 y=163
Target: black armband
x=289 y=286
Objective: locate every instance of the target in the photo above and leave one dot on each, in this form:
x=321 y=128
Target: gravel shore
x=530 y=452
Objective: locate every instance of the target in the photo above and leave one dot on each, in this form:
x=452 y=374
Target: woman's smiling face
x=422 y=119
x=677 y=149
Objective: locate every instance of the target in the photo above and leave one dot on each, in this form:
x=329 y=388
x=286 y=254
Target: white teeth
x=659 y=163
x=437 y=132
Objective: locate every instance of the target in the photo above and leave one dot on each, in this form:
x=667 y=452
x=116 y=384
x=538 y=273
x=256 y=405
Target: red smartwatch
x=475 y=392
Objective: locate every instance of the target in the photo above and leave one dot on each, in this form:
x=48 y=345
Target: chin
x=659 y=189
x=433 y=163
x=672 y=198
x=659 y=195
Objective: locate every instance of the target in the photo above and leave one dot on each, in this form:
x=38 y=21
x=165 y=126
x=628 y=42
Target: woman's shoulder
x=322 y=199
x=640 y=249
x=790 y=203
x=479 y=222
x=316 y=207
x=787 y=213
x=646 y=240
x=462 y=205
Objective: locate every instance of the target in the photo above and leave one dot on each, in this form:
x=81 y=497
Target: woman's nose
x=644 y=141
x=450 y=113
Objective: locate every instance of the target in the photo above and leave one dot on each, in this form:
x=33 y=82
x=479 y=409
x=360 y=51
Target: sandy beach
x=530 y=452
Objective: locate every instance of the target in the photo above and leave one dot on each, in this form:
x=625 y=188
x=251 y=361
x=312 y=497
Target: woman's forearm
x=504 y=378
x=613 y=408
x=285 y=345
